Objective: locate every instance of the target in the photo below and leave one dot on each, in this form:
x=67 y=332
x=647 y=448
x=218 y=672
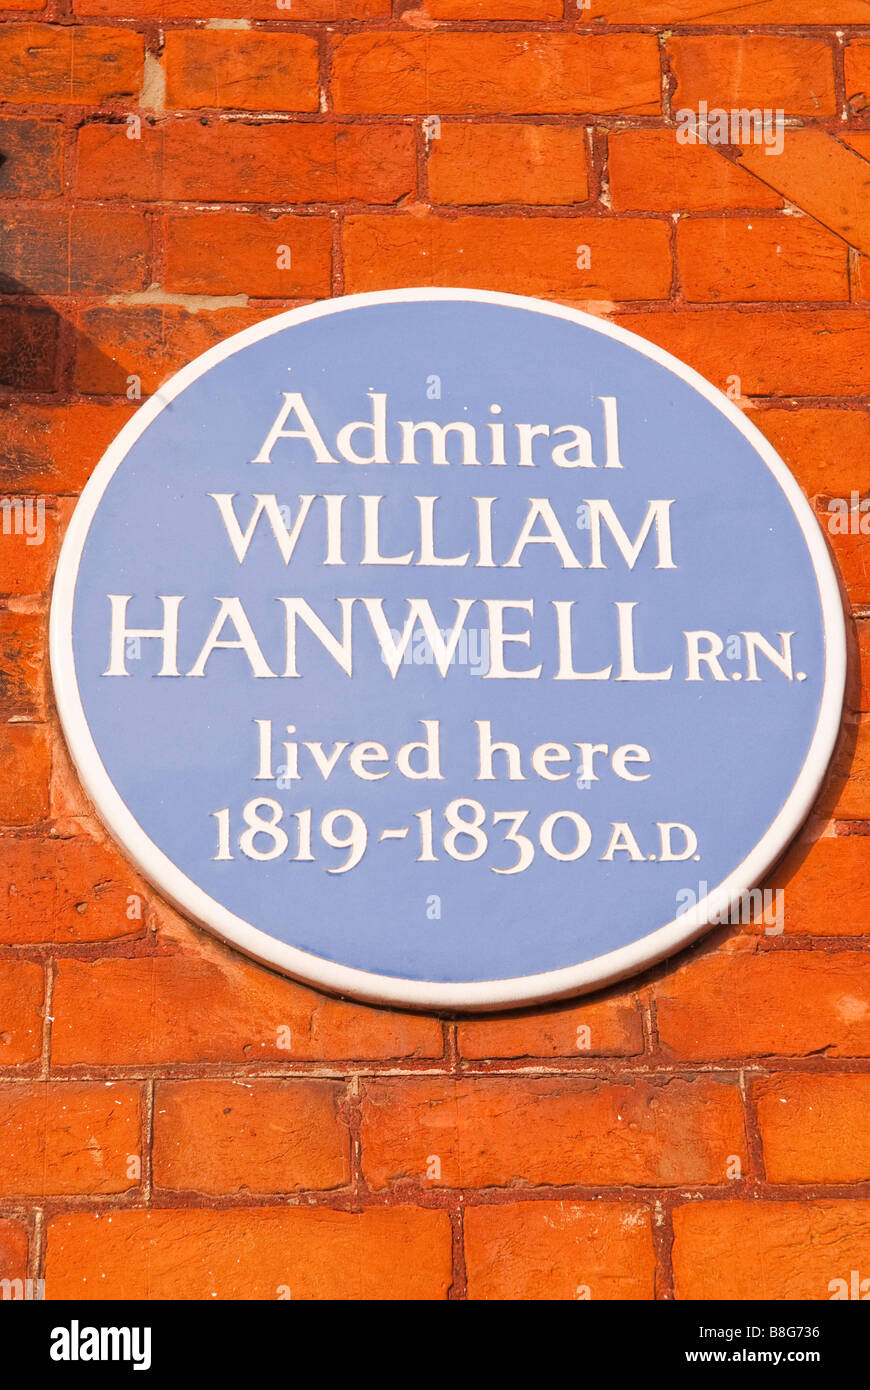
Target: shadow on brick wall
x=38 y=341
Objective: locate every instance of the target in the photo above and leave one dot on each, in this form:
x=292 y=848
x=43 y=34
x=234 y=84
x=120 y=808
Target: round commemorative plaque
x=447 y=648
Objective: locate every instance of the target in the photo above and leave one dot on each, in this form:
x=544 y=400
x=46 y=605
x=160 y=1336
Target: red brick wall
x=710 y=1134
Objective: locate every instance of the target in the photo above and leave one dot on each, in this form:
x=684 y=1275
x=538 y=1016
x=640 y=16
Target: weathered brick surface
x=508 y=163
x=140 y=346
x=70 y=1137
x=233 y=9
x=486 y=1133
x=733 y=12
x=28 y=347
x=806 y=352
x=627 y=259
x=826 y=449
x=849 y=796
x=776 y=1250
x=194 y=1125
x=548 y=1250
x=22 y=993
x=826 y=886
x=13 y=1250
x=268 y=1253
x=27 y=548
x=823 y=177
x=60 y=65
x=177 y=1008
x=243 y=252
x=66 y=891
x=25 y=769
x=861 y=678
x=649 y=171
x=405 y=73
x=33 y=158
x=245 y=72
x=760 y=258
x=22 y=666
x=89 y=252
x=604 y=1028
x=852 y=553
x=789 y=73
x=815 y=1128
x=755 y=1004
x=261 y=1136
x=857 y=70
x=270 y=162
x=53 y=449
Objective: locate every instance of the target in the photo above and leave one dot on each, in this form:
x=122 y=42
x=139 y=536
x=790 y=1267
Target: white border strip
x=383 y=989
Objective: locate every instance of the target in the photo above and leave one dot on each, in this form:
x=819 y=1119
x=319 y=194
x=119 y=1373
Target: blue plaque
x=447 y=648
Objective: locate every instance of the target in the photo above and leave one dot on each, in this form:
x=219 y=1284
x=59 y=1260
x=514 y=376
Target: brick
x=526 y=73
x=629 y=259
x=28 y=540
x=486 y=1132
x=184 y=1008
x=766 y=1003
x=274 y=162
x=794 y=352
x=857 y=65
x=826 y=449
x=28 y=347
x=55 y=449
x=559 y=1250
x=862 y=700
x=241 y=71
x=65 y=891
x=87 y=251
x=68 y=1137
x=233 y=9
x=508 y=163
x=25 y=769
x=491 y=9
x=768 y=1250
x=822 y=177
x=768 y=258
x=22 y=991
x=238 y=253
x=32 y=158
x=22 y=666
x=13 y=1249
x=149 y=342
x=255 y=1253
x=262 y=1136
x=744 y=12
x=852 y=553
x=63 y=65
x=71 y=811
x=649 y=171
x=826 y=888
x=815 y=1128
x=848 y=796
x=771 y=71
x=605 y=1028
